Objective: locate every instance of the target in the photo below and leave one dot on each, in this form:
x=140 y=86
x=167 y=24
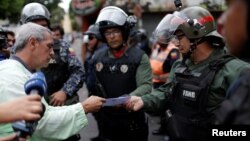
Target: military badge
x=52 y=61
x=124 y=68
x=99 y=66
x=72 y=52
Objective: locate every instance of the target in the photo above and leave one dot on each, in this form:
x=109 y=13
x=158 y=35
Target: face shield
x=165 y=31
x=112 y=14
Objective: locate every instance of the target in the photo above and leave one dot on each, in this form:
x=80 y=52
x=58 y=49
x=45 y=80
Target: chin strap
x=193 y=46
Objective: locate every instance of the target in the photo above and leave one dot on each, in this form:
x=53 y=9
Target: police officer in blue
x=120 y=70
x=94 y=44
x=64 y=74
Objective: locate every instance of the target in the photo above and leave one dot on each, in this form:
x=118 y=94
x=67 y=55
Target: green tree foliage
x=11 y=9
x=57 y=15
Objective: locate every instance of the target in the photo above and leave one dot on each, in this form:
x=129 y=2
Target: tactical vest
x=118 y=77
x=189 y=97
x=157 y=60
x=56 y=75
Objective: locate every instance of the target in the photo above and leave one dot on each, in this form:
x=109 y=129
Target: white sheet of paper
x=116 y=101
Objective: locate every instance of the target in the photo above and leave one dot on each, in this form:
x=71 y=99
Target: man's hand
x=9 y=137
x=135 y=103
x=58 y=98
x=92 y=104
x=22 y=108
x=13 y=137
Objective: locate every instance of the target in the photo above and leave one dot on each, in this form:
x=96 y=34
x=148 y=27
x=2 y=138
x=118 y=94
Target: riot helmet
x=200 y=23
x=3 y=39
x=195 y=22
x=34 y=11
x=112 y=16
x=94 y=29
x=165 y=30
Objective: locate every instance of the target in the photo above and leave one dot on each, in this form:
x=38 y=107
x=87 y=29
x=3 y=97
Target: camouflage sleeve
x=77 y=74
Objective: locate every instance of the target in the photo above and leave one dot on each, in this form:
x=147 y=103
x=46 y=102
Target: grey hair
x=29 y=30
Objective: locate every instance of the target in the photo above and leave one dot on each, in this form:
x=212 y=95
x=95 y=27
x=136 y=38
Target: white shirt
x=57 y=123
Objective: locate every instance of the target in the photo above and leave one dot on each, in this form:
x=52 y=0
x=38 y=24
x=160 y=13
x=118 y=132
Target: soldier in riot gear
x=120 y=70
x=94 y=44
x=198 y=83
x=235 y=29
x=35 y=12
x=139 y=38
x=64 y=74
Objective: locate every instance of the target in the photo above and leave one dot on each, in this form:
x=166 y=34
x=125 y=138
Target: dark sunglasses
x=91 y=37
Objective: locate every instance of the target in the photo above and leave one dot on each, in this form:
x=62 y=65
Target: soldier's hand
x=92 y=104
x=135 y=103
x=58 y=98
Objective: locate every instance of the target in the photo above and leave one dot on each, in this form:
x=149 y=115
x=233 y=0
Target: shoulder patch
x=72 y=52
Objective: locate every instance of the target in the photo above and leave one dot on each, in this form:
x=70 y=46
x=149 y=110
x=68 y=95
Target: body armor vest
x=189 y=97
x=118 y=77
x=56 y=75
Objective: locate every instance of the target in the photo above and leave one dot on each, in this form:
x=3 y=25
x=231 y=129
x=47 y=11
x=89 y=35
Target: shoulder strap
x=220 y=62
x=216 y=65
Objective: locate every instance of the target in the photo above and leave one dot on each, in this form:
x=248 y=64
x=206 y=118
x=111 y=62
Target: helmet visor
x=167 y=27
x=112 y=14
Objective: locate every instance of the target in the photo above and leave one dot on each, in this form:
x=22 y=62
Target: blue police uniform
x=65 y=72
